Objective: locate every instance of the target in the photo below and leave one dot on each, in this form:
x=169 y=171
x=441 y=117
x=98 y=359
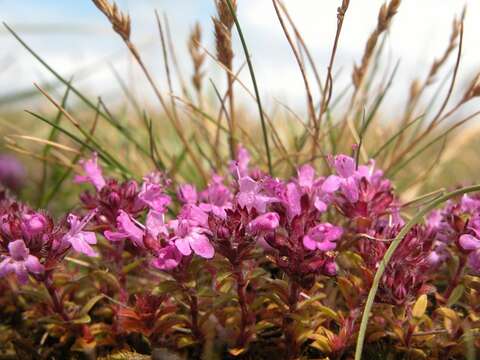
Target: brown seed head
x=197 y=55
x=120 y=21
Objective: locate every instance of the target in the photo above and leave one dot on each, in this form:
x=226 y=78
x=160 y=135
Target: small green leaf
x=456 y=295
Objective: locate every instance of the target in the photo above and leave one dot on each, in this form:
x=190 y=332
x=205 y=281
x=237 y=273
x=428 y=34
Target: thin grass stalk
x=46 y=149
x=255 y=86
x=301 y=66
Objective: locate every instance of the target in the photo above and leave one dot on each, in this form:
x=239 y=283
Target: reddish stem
x=241 y=285
x=57 y=304
x=193 y=300
x=290 y=341
x=456 y=279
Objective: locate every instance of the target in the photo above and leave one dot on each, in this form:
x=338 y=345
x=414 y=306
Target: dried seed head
x=415 y=89
x=473 y=89
x=385 y=15
x=223 y=25
x=224 y=14
x=197 y=55
x=120 y=21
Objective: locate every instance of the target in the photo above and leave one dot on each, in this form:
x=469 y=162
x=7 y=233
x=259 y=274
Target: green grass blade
x=82 y=97
x=47 y=147
x=255 y=86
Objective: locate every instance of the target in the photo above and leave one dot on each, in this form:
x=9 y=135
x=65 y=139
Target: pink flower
x=20 y=262
x=34 y=223
x=167 y=258
x=264 y=223
x=156 y=223
x=93 y=173
x=216 y=198
x=188 y=238
x=250 y=196
x=187 y=194
x=127 y=229
x=79 y=239
x=322 y=237
x=153 y=194
x=306 y=176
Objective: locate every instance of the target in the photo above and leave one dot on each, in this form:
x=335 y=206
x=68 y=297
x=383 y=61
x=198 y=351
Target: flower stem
x=290 y=341
x=193 y=300
x=57 y=304
x=456 y=279
x=242 y=338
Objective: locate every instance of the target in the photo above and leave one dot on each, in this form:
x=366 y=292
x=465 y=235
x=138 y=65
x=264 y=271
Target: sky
x=73 y=37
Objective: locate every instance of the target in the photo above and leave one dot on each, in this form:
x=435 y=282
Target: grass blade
x=255 y=86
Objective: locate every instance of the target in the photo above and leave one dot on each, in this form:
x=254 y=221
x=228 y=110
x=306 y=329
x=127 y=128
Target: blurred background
x=76 y=39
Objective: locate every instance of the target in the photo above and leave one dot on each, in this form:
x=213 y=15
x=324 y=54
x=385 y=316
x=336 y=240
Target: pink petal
x=201 y=246
x=331 y=184
x=21 y=271
x=309 y=243
x=155 y=223
x=33 y=265
x=326 y=246
x=469 y=242
x=320 y=205
x=5 y=267
x=183 y=245
x=187 y=194
x=306 y=176
x=114 y=235
x=344 y=165
x=18 y=251
x=80 y=243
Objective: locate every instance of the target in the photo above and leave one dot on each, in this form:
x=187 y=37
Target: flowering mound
x=248 y=267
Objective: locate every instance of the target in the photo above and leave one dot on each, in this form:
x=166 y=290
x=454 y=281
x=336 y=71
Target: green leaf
x=90 y=304
x=456 y=295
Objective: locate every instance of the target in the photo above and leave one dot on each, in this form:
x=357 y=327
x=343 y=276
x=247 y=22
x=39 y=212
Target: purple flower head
x=114 y=197
x=344 y=165
x=410 y=266
x=361 y=194
x=153 y=193
x=189 y=237
x=264 y=223
x=34 y=224
x=322 y=237
x=93 y=173
x=250 y=195
x=20 y=262
x=155 y=224
x=79 y=239
x=187 y=194
x=216 y=198
x=12 y=172
x=127 y=229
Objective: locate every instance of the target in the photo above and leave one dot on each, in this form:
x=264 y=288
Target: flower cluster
x=180 y=257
